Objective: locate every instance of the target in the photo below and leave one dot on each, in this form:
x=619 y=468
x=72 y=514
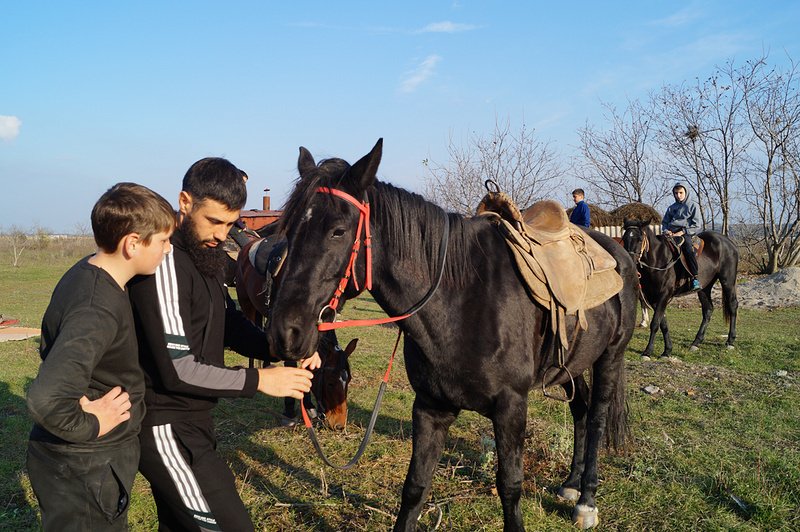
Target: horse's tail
x=617 y=429
x=729 y=301
x=727 y=279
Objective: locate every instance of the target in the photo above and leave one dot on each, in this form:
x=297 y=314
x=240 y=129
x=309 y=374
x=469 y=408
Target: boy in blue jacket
x=681 y=220
x=580 y=214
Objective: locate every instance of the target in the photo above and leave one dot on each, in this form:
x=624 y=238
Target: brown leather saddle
x=564 y=269
x=697 y=244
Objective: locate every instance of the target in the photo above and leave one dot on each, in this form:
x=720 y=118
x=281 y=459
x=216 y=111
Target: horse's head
x=634 y=238
x=332 y=379
x=323 y=230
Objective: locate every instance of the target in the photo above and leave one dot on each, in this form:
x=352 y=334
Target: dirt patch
x=779 y=290
x=18 y=333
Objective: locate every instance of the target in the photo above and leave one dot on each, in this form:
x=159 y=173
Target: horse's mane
x=417 y=231
x=417 y=225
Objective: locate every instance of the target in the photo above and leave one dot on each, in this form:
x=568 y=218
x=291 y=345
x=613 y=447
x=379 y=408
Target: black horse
x=663 y=276
x=480 y=343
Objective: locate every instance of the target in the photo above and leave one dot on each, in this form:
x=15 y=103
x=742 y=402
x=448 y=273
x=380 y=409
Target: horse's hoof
x=730 y=347
x=584 y=516
x=288 y=422
x=694 y=348
x=646 y=357
x=568 y=494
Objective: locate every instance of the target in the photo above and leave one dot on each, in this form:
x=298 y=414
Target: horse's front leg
x=578 y=407
x=429 y=429
x=509 y=418
x=655 y=323
x=707 y=304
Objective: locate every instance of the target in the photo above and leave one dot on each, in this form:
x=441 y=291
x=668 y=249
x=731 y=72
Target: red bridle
x=363 y=225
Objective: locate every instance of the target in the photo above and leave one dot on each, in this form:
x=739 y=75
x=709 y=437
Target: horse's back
x=721 y=252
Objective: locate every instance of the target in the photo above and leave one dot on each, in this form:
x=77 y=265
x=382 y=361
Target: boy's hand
x=279 y=381
x=312 y=362
x=110 y=410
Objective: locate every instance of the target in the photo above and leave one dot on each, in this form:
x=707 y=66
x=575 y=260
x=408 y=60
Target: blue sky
x=92 y=93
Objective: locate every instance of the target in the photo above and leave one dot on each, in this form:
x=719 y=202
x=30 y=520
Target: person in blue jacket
x=580 y=214
x=680 y=220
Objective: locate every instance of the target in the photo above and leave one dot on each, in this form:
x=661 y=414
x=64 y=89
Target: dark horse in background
x=480 y=343
x=663 y=277
x=330 y=383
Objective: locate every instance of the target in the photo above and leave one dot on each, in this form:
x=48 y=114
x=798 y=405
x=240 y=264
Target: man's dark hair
x=218 y=179
x=579 y=191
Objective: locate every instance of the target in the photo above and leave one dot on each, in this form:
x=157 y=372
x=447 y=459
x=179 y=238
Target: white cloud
x=9 y=127
x=420 y=74
x=680 y=18
x=446 y=27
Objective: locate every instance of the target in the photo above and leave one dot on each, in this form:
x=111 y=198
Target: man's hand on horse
x=313 y=362
x=284 y=381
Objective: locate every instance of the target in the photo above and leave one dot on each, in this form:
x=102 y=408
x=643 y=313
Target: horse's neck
x=403 y=276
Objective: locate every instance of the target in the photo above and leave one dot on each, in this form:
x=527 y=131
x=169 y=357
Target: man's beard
x=210 y=261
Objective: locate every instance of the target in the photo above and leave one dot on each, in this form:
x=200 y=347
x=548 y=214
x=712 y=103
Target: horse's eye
x=337 y=233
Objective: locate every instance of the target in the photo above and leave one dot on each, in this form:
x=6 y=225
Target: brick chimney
x=266 y=199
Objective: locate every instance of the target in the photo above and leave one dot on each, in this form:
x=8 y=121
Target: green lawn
x=717 y=449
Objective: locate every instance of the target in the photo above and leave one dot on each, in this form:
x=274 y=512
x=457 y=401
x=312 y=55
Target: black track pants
x=688 y=252
x=192 y=485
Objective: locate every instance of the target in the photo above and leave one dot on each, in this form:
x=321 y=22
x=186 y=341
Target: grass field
x=717 y=449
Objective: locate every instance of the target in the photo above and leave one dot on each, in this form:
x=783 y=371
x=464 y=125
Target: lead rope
x=373 y=418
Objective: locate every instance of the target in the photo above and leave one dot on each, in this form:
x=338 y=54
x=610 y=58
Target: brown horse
x=331 y=381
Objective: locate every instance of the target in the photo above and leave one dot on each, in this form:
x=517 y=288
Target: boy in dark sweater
x=87 y=401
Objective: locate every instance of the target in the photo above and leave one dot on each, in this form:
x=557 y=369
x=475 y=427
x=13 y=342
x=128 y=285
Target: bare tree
x=18 y=240
x=703 y=138
x=524 y=167
x=618 y=162
x=773 y=111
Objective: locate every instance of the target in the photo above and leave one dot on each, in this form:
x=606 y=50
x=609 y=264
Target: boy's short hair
x=129 y=208
x=578 y=191
x=218 y=179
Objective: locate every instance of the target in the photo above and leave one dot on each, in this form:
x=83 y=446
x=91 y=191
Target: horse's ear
x=305 y=162
x=350 y=347
x=365 y=171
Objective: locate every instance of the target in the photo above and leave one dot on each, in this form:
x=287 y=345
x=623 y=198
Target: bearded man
x=184 y=320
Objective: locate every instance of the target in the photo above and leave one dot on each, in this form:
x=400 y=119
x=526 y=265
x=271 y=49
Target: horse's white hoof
x=645 y=357
x=730 y=347
x=568 y=494
x=694 y=348
x=584 y=516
